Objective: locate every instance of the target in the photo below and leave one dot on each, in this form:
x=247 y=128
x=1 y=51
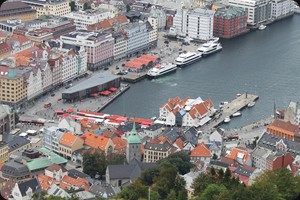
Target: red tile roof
x=96 y=141
x=283 y=125
x=119 y=143
x=201 y=151
x=68 y=139
x=234 y=153
x=5 y=48
x=108 y=23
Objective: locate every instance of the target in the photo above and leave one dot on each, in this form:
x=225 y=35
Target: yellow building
x=13 y=87
x=69 y=143
x=154 y=152
x=53 y=7
x=3 y=152
x=20 y=10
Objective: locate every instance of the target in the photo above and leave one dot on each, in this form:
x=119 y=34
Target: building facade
x=154 y=152
x=259 y=11
x=137 y=37
x=49 y=7
x=282 y=8
x=84 y=18
x=52 y=136
x=284 y=129
x=230 y=22
x=133 y=148
x=68 y=144
x=196 y=24
x=19 y=10
x=99 y=47
x=7 y=119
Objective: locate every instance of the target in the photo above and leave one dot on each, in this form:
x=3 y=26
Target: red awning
x=113 y=89
x=70 y=110
x=59 y=112
x=64 y=115
x=106 y=92
x=95 y=94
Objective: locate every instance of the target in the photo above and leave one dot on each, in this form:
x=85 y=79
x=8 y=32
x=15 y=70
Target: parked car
x=106 y=68
x=47 y=105
x=52 y=95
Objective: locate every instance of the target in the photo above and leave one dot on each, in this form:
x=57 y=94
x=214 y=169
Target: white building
x=88 y=17
x=35 y=85
x=160 y=15
x=71 y=125
x=196 y=24
x=52 y=135
x=259 y=11
x=138 y=38
x=292 y=113
x=25 y=190
x=120 y=45
x=282 y=8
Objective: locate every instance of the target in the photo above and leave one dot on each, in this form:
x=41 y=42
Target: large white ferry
x=161 y=69
x=209 y=48
x=187 y=58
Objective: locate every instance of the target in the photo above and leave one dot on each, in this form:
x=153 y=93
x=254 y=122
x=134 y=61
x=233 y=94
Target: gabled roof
x=245 y=171
x=17 y=142
x=190 y=136
x=172 y=134
x=119 y=143
x=45 y=181
x=96 y=141
x=283 y=125
x=55 y=167
x=239 y=153
x=33 y=184
x=68 y=139
x=179 y=143
x=201 y=151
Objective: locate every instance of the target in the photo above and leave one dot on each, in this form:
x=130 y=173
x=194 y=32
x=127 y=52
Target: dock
x=132 y=77
x=228 y=110
x=111 y=99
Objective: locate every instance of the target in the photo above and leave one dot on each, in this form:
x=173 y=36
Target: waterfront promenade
x=228 y=110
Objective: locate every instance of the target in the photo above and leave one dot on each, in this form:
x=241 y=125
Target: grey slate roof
x=158 y=147
x=75 y=173
x=190 y=136
x=219 y=163
x=128 y=127
x=33 y=184
x=15 y=169
x=17 y=142
x=269 y=141
x=130 y=171
x=171 y=133
x=243 y=171
x=154 y=127
x=101 y=189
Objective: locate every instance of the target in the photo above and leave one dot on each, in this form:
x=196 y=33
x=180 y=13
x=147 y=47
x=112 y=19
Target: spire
x=133 y=131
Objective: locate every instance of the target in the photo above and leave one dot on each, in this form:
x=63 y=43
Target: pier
x=132 y=77
x=228 y=110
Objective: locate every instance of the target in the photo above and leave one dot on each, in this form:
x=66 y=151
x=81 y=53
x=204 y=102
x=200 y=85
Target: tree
x=72 y=5
x=282 y=180
x=171 y=195
x=94 y=163
x=128 y=8
x=134 y=191
x=212 y=171
x=221 y=173
x=148 y=176
x=212 y=191
x=227 y=174
x=215 y=157
x=201 y=182
x=85 y=6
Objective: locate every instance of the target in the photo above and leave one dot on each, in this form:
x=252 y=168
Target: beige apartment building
x=69 y=143
x=53 y=7
x=153 y=152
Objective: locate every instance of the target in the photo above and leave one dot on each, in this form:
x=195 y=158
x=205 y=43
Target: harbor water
x=265 y=63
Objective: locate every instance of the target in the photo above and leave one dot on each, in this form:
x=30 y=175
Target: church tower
x=133 y=148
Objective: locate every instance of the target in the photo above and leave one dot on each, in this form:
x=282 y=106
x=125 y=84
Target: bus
x=15 y=131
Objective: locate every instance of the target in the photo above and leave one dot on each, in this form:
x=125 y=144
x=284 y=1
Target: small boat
x=262 y=27
x=251 y=104
x=222 y=104
x=237 y=114
x=227 y=120
x=153 y=118
x=238 y=95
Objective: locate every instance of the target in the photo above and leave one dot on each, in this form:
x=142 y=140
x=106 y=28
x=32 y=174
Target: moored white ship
x=161 y=69
x=187 y=58
x=209 y=48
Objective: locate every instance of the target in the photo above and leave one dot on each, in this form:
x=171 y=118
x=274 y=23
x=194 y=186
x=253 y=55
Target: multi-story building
x=259 y=11
x=14 y=87
x=19 y=43
x=138 y=37
x=230 y=22
x=34 y=82
x=109 y=24
x=84 y=18
x=3 y=151
x=49 y=7
x=152 y=34
x=5 y=50
x=284 y=129
x=69 y=143
x=99 y=46
x=55 y=66
x=154 y=152
x=201 y=153
x=52 y=136
x=20 y=10
x=160 y=16
x=120 y=45
x=196 y=24
x=292 y=113
x=266 y=159
x=282 y=8
x=7 y=119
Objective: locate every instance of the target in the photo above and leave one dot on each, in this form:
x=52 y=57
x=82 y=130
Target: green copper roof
x=133 y=138
x=44 y=162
